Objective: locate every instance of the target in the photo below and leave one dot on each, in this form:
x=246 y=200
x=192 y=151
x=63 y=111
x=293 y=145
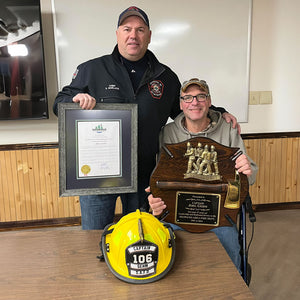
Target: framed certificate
x=97 y=149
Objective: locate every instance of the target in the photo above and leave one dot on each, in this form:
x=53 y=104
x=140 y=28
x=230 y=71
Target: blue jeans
x=97 y=211
x=229 y=238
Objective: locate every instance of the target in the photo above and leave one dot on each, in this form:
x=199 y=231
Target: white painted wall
x=274 y=66
x=206 y=42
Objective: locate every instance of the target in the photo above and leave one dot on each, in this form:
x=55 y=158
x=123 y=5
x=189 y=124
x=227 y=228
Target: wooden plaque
x=199 y=184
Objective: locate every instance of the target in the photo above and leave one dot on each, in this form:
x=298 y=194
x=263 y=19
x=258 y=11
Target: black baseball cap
x=133 y=11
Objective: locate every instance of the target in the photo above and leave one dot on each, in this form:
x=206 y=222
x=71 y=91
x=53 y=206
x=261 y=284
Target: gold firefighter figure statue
x=213 y=157
x=199 y=151
x=190 y=152
x=205 y=166
x=202 y=162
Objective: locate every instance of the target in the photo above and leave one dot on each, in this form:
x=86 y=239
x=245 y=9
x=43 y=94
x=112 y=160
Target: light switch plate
x=254 y=98
x=265 y=97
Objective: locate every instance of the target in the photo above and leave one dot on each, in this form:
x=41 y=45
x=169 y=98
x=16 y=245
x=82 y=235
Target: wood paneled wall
x=29 y=179
x=29 y=187
x=278 y=178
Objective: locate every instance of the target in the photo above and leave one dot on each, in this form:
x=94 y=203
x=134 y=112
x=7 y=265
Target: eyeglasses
x=190 y=98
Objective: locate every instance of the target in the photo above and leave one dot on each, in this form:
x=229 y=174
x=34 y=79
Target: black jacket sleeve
x=222 y=110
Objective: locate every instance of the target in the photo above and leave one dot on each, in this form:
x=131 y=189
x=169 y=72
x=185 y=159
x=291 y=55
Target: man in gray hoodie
x=197 y=120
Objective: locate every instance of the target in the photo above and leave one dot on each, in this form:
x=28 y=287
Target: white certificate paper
x=99 y=148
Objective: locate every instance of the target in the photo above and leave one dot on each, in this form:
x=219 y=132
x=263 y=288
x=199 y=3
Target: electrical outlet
x=254 y=98
x=265 y=97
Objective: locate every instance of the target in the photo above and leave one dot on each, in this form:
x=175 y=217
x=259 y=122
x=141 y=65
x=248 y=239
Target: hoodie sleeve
x=237 y=141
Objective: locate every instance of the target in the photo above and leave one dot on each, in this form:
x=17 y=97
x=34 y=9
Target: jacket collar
x=155 y=67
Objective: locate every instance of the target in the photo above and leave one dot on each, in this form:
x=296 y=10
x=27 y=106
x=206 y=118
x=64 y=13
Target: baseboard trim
x=76 y=221
x=276 y=206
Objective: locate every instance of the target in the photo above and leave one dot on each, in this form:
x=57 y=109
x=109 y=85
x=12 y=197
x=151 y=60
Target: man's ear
x=180 y=104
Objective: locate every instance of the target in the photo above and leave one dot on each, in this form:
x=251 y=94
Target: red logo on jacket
x=156 y=89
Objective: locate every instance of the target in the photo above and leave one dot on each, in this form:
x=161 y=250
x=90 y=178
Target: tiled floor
x=275 y=255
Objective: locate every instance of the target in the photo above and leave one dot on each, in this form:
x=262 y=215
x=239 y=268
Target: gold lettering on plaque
x=202 y=162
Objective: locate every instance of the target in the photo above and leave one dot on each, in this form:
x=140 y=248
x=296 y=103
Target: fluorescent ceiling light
x=17 y=50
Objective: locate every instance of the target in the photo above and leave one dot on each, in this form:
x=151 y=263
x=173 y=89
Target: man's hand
x=242 y=164
x=85 y=101
x=156 y=204
x=230 y=118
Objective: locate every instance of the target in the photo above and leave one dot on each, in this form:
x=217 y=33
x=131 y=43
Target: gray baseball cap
x=201 y=83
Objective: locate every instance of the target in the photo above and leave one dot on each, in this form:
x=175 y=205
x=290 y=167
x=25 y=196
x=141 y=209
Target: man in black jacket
x=131 y=74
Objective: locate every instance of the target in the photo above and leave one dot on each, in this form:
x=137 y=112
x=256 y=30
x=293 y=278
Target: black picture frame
x=70 y=116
